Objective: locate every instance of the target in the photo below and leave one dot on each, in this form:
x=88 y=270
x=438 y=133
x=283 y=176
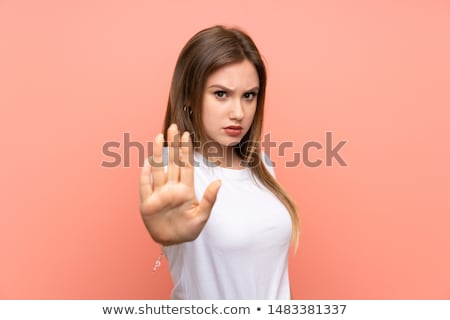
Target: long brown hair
x=206 y=52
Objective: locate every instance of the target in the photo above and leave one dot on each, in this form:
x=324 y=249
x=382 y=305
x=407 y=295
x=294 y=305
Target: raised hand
x=169 y=208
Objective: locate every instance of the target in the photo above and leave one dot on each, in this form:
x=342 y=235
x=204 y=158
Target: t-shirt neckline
x=228 y=172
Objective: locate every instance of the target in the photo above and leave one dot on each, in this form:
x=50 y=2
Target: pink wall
x=77 y=74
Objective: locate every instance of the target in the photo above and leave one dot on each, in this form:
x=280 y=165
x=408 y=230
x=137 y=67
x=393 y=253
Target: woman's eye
x=220 y=94
x=249 y=95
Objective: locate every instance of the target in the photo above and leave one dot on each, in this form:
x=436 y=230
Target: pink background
x=77 y=74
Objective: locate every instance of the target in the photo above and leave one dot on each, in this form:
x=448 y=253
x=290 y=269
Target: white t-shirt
x=242 y=252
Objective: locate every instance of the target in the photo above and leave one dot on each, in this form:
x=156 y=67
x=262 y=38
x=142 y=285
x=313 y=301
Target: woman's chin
x=230 y=142
x=233 y=144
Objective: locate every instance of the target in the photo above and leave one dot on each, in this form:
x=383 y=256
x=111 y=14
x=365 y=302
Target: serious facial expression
x=229 y=102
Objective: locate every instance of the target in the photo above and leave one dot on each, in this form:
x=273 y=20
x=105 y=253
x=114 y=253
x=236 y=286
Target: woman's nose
x=237 y=110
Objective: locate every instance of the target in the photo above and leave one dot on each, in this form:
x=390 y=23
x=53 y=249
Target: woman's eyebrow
x=256 y=88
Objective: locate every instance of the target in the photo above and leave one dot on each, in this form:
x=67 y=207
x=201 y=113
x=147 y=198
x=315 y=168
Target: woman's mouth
x=233 y=130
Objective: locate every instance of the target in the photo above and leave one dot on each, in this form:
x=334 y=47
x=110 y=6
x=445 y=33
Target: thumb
x=209 y=198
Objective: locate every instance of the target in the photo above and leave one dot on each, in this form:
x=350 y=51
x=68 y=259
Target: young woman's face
x=229 y=102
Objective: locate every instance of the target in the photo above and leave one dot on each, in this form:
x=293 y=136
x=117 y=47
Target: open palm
x=168 y=205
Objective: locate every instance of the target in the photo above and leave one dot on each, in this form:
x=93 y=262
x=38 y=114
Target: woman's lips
x=233 y=130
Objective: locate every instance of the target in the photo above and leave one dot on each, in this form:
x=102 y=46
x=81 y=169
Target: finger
x=145 y=181
x=209 y=198
x=186 y=160
x=173 y=170
x=157 y=165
